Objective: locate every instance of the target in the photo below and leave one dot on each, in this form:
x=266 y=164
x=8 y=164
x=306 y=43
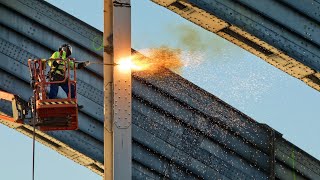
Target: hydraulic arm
x=20 y=108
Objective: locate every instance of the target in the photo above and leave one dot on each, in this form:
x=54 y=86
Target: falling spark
x=154 y=61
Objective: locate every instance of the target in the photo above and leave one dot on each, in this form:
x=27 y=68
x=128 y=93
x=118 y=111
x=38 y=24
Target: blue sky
x=239 y=78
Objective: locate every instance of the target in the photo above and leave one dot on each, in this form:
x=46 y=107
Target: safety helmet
x=66 y=48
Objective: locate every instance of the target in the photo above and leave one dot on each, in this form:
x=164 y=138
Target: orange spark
x=158 y=59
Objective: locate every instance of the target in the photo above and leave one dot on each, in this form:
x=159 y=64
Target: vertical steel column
x=122 y=89
x=108 y=90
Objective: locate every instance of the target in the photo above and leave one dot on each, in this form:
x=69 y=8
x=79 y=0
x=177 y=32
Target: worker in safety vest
x=58 y=69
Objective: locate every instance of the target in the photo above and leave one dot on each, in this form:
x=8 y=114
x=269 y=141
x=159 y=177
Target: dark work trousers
x=54 y=88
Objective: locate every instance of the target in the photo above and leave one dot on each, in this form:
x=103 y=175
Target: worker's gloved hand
x=83 y=64
x=55 y=64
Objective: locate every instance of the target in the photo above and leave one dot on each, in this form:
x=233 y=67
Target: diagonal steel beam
x=262 y=28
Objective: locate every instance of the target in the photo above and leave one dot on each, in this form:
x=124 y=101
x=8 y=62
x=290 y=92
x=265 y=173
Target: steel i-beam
x=122 y=89
x=117 y=90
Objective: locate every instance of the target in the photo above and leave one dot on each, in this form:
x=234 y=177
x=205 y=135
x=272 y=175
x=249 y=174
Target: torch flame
x=154 y=61
x=125 y=64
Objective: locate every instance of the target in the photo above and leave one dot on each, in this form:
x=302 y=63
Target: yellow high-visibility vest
x=61 y=67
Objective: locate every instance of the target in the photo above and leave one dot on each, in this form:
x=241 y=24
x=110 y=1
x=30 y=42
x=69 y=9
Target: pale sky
x=237 y=77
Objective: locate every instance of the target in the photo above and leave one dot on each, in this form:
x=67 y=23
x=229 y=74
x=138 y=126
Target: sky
x=239 y=78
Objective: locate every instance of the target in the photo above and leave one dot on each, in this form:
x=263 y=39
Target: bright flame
x=132 y=63
x=154 y=61
x=125 y=64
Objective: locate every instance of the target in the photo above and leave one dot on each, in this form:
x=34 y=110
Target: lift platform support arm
x=20 y=107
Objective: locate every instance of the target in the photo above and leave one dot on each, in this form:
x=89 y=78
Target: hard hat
x=66 y=48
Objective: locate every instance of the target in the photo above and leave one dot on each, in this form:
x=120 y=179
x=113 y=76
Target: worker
x=58 y=68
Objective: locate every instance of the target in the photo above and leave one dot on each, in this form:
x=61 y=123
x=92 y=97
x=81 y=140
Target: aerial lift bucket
x=53 y=114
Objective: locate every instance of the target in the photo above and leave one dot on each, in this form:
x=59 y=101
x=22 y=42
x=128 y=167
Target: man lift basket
x=53 y=114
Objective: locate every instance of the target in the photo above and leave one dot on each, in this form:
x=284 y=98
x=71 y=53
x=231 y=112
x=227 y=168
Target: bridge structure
x=284 y=33
x=179 y=131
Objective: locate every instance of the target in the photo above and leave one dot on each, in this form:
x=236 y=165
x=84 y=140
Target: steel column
x=108 y=95
x=122 y=89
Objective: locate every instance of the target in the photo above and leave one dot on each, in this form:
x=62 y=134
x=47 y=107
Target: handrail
x=37 y=70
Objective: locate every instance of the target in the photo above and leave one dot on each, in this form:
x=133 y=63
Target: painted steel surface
x=284 y=33
x=179 y=131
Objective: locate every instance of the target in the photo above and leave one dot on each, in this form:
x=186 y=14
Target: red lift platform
x=53 y=114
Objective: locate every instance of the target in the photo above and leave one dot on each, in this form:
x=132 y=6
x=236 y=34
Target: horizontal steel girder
x=283 y=33
x=179 y=130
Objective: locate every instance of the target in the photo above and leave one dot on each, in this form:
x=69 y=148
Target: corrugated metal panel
x=179 y=130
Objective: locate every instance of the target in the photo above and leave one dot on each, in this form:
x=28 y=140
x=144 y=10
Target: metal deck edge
x=245 y=40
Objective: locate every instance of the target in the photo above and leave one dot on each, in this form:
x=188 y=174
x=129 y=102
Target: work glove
x=83 y=64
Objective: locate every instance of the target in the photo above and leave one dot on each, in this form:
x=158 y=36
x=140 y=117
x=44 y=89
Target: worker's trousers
x=54 y=88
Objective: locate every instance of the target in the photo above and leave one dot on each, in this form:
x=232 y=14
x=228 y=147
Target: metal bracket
x=20 y=108
x=120 y=4
x=109 y=98
x=122 y=104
